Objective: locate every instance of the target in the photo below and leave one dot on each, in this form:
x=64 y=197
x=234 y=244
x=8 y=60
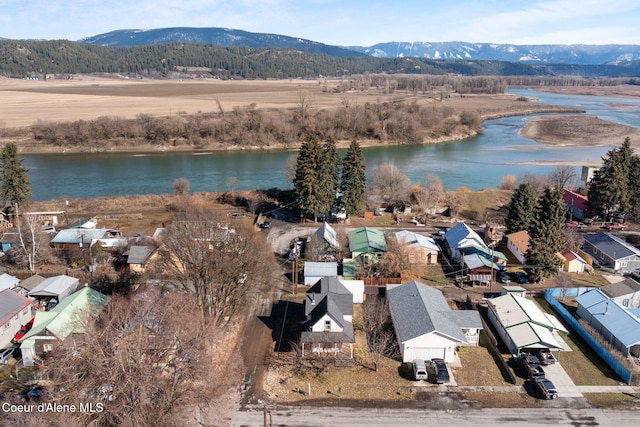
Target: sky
x=339 y=22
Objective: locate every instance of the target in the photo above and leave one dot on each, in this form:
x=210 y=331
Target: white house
x=461 y=236
x=328 y=309
x=423 y=249
x=15 y=311
x=425 y=326
x=518 y=244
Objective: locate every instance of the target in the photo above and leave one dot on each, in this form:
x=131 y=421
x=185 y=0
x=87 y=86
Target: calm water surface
x=479 y=162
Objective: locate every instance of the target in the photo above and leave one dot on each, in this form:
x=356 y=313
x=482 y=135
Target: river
x=476 y=163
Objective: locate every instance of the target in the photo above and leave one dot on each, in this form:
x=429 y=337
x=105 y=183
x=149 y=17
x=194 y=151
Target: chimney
x=606 y=307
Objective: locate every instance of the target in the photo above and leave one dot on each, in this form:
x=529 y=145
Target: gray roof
x=612 y=246
x=139 y=254
x=340 y=295
x=417 y=309
x=31 y=282
x=624 y=287
x=11 y=302
x=329 y=305
x=8 y=281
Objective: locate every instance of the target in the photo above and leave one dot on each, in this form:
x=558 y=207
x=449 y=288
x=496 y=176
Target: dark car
x=520 y=277
x=546 y=388
x=530 y=365
x=31 y=393
x=440 y=372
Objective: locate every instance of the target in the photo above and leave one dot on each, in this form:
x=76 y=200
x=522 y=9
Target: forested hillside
x=37 y=58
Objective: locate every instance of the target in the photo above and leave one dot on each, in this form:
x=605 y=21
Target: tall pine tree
x=306 y=183
x=354 y=180
x=613 y=187
x=521 y=209
x=329 y=174
x=545 y=236
x=15 y=180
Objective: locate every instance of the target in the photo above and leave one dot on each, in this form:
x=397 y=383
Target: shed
x=314 y=271
x=57 y=287
x=515 y=290
x=572 y=262
x=522 y=324
x=426 y=327
x=327 y=234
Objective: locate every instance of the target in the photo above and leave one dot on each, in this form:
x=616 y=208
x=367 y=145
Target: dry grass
x=613 y=401
x=491 y=399
x=478 y=368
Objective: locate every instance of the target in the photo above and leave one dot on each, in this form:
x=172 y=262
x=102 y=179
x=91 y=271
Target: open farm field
x=26 y=102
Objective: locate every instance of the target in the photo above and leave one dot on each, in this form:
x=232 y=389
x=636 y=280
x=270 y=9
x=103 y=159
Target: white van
x=420 y=370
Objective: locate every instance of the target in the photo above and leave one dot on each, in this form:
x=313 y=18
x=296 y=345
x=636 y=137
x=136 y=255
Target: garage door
x=428 y=353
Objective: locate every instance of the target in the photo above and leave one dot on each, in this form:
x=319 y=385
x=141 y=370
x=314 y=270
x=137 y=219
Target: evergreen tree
x=307 y=186
x=329 y=176
x=611 y=190
x=15 y=180
x=545 y=236
x=521 y=209
x=354 y=180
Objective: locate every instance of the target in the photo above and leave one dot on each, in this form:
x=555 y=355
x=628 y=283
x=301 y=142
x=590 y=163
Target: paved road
x=375 y=417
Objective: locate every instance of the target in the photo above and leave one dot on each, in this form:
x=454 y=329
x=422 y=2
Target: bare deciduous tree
x=387 y=181
x=221 y=262
x=231 y=182
x=181 y=186
x=573 y=239
x=33 y=244
x=378 y=328
x=146 y=360
x=563 y=176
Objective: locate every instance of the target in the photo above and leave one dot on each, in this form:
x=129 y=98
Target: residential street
x=373 y=417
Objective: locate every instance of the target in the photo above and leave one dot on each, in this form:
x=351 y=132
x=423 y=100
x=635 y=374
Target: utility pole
x=295 y=275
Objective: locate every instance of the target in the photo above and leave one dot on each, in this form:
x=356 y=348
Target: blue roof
x=615 y=318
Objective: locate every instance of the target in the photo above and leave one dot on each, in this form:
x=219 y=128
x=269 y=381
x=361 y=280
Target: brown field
x=24 y=102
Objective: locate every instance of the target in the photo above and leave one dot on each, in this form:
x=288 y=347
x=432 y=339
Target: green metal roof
x=365 y=239
x=66 y=317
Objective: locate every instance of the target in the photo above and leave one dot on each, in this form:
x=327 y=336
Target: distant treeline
x=395 y=121
x=58 y=57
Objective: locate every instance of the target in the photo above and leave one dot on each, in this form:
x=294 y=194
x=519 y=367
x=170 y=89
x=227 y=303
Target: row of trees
x=320 y=176
x=396 y=121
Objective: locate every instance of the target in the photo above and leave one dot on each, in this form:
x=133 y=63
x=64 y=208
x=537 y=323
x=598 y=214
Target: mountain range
x=579 y=54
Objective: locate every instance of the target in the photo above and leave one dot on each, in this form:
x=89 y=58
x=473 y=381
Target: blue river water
x=476 y=163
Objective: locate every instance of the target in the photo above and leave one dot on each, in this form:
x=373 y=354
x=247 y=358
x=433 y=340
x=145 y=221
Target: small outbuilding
x=56 y=287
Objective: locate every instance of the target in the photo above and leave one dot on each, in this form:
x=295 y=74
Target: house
x=7 y=281
x=572 y=262
x=422 y=249
x=481 y=263
x=86 y=237
x=328 y=235
x=625 y=292
x=15 y=311
x=614 y=322
x=9 y=240
x=518 y=244
x=314 y=271
x=523 y=325
x=367 y=244
x=138 y=257
x=612 y=252
x=459 y=237
x=54 y=288
x=328 y=308
x=65 y=321
x=426 y=327
x=30 y=283
x=577 y=205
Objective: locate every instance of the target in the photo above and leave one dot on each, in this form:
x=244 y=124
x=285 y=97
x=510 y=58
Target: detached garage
x=425 y=326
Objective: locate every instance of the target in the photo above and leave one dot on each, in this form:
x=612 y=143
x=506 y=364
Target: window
x=24 y=312
x=327 y=325
x=47 y=347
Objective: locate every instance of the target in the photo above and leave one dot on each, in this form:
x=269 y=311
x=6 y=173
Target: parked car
x=575 y=224
x=265 y=224
x=420 y=370
x=6 y=354
x=23 y=331
x=503 y=277
x=546 y=388
x=615 y=226
x=520 y=277
x=530 y=365
x=545 y=356
x=440 y=371
x=31 y=393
